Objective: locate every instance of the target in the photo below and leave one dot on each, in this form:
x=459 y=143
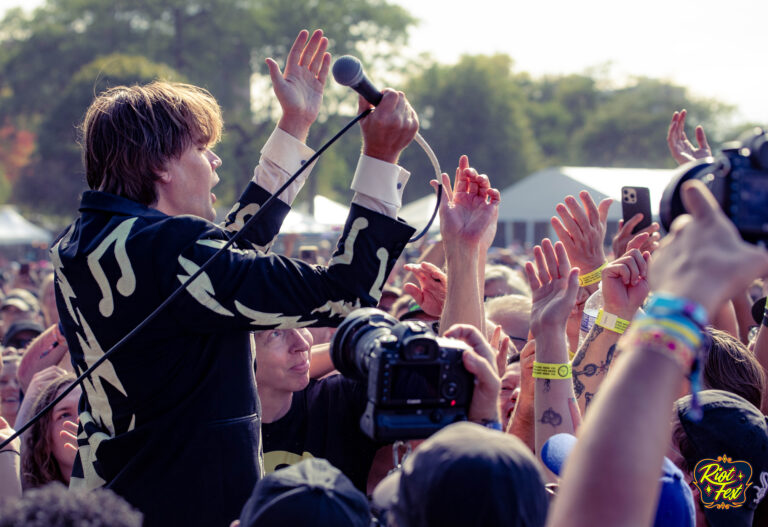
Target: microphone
x=348 y=71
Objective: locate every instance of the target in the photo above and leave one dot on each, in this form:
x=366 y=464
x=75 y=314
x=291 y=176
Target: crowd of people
x=226 y=408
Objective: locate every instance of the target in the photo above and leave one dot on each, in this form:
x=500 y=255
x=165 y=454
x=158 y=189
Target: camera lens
x=356 y=337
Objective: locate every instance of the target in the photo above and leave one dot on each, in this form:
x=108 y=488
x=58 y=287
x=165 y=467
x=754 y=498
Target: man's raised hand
x=582 y=231
x=299 y=88
x=680 y=147
x=554 y=285
x=470 y=209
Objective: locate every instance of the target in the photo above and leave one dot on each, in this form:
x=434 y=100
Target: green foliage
x=477 y=108
x=216 y=44
x=56 y=179
x=55 y=59
x=629 y=128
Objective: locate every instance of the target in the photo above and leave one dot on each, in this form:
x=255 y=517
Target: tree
x=56 y=177
x=629 y=126
x=217 y=44
x=475 y=107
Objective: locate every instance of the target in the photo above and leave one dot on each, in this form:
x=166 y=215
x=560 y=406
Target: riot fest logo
x=722 y=482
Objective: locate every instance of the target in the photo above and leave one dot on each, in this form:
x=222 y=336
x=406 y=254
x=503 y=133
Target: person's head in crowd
x=730 y=426
x=502 y=280
x=19 y=304
x=47 y=454
x=124 y=157
x=47 y=298
x=513 y=314
x=21 y=333
x=24 y=277
x=283 y=358
x=307 y=494
x=54 y=505
x=389 y=295
x=10 y=389
x=728 y=365
x=676 y=507
x=510 y=390
x=467 y=475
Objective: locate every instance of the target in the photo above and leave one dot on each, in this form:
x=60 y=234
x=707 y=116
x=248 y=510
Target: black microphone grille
x=347 y=70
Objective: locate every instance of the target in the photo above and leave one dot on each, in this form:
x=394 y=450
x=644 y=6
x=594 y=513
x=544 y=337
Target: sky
x=714 y=48
x=717 y=49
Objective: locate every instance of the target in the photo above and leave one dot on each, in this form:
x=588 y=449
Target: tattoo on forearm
x=547 y=385
x=588 y=399
x=591 y=336
x=591 y=369
x=550 y=417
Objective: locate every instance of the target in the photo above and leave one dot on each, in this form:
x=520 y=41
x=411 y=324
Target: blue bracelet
x=665 y=305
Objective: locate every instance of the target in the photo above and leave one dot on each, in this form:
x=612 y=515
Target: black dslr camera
x=738 y=178
x=417 y=383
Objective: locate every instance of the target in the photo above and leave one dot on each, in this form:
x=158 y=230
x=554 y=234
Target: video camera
x=738 y=178
x=417 y=383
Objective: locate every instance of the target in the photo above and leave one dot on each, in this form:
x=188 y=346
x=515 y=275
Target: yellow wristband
x=591 y=278
x=611 y=322
x=543 y=370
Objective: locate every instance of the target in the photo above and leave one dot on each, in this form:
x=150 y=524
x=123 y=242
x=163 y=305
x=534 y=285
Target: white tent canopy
x=530 y=203
x=329 y=212
x=417 y=213
x=16 y=230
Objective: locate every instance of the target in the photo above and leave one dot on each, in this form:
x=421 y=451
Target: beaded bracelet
x=665 y=305
x=658 y=338
x=672 y=326
x=592 y=277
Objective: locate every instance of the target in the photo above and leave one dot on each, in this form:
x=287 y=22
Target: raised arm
x=625 y=288
x=553 y=286
x=468 y=212
x=628 y=426
x=680 y=147
x=299 y=88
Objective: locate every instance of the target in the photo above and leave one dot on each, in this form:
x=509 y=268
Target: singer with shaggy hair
x=173 y=419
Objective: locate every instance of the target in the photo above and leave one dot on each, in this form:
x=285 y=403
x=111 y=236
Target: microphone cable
x=87 y=373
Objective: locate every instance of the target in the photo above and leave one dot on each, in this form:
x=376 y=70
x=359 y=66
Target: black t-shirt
x=323 y=422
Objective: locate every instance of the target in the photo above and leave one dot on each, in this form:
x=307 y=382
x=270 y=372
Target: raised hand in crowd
x=469 y=211
x=554 y=285
x=703 y=261
x=624 y=235
x=625 y=287
x=47 y=349
x=680 y=147
x=430 y=291
x=582 y=230
x=299 y=89
x=503 y=346
x=10 y=464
